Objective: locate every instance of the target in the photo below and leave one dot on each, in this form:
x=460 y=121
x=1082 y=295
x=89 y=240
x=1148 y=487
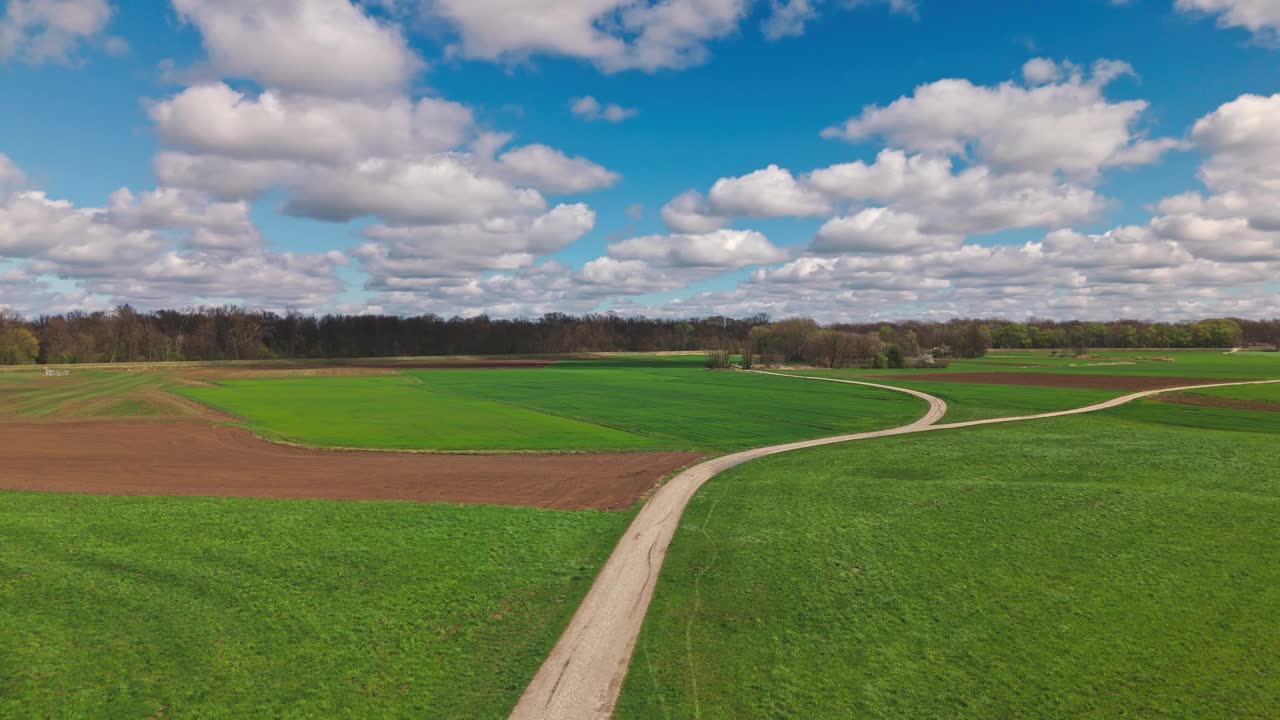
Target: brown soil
x=1090 y=382
x=132 y=458
x=1218 y=402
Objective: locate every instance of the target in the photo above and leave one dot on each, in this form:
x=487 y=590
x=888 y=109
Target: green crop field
x=1111 y=565
x=617 y=404
x=1185 y=363
x=974 y=401
x=136 y=607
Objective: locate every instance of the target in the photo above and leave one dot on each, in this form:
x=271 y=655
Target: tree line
x=125 y=334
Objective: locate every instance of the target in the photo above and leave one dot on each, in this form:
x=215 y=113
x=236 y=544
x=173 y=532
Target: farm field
x=230 y=608
x=1108 y=565
x=872 y=578
x=977 y=401
x=226 y=606
x=636 y=403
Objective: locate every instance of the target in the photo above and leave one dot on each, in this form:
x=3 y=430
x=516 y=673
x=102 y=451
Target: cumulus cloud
x=1260 y=17
x=1066 y=126
x=324 y=47
x=714 y=249
x=165 y=247
x=769 y=192
x=214 y=119
x=975 y=200
x=437 y=189
x=787 y=18
x=400 y=256
x=688 y=212
x=878 y=230
x=552 y=171
x=42 y=31
x=588 y=108
x=614 y=34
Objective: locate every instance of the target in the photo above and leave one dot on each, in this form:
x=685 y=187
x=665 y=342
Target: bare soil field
x=1090 y=382
x=128 y=458
x=1218 y=402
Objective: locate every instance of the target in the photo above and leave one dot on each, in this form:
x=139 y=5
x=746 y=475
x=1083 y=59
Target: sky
x=849 y=160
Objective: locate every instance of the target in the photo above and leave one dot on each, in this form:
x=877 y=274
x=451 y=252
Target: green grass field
x=136 y=607
x=1118 y=564
x=1186 y=363
x=973 y=401
x=1102 y=566
x=622 y=404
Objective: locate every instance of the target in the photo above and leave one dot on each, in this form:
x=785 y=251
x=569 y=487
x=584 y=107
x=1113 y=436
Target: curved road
x=582 y=677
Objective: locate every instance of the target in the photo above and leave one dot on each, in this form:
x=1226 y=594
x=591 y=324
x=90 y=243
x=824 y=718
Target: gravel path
x=582 y=677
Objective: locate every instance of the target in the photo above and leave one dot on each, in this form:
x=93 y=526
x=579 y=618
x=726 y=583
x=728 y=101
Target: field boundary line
x=582 y=677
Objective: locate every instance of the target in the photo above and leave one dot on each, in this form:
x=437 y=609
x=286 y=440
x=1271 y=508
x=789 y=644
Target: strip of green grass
x=966 y=401
x=1270 y=392
x=400 y=413
x=1086 y=567
x=683 y=406
x=136 y=607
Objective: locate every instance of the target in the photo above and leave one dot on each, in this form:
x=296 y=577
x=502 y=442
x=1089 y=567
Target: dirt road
x=582 y=677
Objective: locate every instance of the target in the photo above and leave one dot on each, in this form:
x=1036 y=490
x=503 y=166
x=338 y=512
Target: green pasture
x=149 y=607
x=400 y=412
x=1186 y=363
x=974 y=401
x=1112 y=565
x=614 y=404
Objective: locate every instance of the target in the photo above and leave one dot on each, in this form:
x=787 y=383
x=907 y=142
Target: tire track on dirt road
x=583 y=675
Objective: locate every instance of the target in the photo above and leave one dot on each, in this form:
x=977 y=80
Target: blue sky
x=1048 y=152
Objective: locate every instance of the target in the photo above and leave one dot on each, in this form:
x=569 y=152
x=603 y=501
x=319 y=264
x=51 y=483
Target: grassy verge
x=227 y=608
x=1090 y=567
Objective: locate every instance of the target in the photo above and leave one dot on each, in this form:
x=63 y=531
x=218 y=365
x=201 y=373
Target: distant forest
x=234 y=333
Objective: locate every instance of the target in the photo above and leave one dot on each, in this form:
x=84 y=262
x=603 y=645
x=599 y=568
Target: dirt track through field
x=197 y=458
x=582 y=677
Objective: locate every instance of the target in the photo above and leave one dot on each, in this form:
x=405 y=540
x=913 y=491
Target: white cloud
x=688 y=213
x=397 y=254
x=879 y=230
x=40 y=31
x=976 y=200
x=552 y=171
x=769 y=192
x=1042 y=71
x=787 y=18
x=588 y=108
x=1066 y=126
x=224 y=178
x=436 y=189
x=163 y=248
x=715 y=249
x=214 y=119
x=1261 y=17
x=11 y=176
x=325 y=47
x=614 y=34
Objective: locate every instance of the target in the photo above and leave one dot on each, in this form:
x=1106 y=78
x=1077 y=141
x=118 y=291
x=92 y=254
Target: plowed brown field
x=197 y=458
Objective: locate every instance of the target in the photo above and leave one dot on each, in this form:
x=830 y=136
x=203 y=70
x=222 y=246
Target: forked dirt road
x=582 y=677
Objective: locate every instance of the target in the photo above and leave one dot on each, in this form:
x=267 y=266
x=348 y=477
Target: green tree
x=18 y=346
x=894 y=357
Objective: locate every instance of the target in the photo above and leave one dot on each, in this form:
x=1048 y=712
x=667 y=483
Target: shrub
x=718 y=359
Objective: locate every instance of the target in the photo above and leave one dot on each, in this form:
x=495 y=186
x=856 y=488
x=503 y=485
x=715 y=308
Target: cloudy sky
x=846 y=159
